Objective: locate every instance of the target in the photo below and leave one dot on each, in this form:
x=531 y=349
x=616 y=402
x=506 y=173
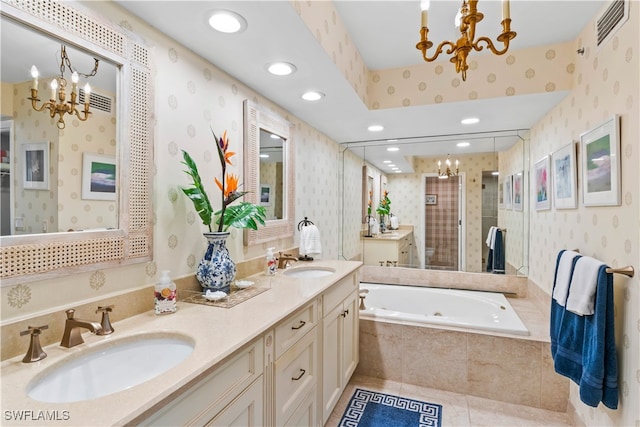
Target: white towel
x=583 y=286
x=374 y=226
x=310 y=240
x=491 y=237
x=563 y=277
x=394 y=222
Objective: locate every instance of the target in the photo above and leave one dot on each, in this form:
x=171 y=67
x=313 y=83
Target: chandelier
x=447 y=172
x=466 y=20
x=58 y=103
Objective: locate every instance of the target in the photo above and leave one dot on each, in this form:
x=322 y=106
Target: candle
x=458 y=19
x=505 y=10
x=87 y=93
x=34 y=75
x=54 y=89
x=74 y=81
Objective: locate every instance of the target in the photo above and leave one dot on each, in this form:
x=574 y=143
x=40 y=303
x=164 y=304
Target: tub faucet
x=283 y=260
x=362 y=295
x=72 y=336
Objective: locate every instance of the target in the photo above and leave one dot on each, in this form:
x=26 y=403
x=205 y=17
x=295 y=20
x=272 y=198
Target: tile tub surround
x=515 y=285
x=235 y=327
x=126 y=304
x=495 y=366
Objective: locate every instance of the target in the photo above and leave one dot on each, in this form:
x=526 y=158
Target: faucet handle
x=70 y=313
x=105 y=322
x=35 y=351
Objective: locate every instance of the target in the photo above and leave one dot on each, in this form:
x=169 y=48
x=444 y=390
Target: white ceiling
x=385 y=33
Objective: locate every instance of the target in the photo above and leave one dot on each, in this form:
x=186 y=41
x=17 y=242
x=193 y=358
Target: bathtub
x=486 y=311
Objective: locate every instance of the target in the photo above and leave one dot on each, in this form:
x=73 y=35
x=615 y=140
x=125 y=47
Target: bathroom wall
x=605 y=82
x=185 y=109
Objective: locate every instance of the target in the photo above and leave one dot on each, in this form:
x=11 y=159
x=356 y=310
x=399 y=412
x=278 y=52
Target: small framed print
x=265 y=195
x=98 y=177
x=35 y=166
x=501 y=193
x=600 y=155
x=542 y=176
x=508 y=192
x=431 y=199
x=517 y=191
x=563 y=171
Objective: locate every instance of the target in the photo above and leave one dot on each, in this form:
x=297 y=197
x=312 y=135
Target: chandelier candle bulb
x=34 y=75
x=505 y=10
x=87 y=94
x=54 y=89
x=74 y=81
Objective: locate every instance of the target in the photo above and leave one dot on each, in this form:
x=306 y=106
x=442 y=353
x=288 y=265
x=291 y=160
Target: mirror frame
x=256 y=118
x=36 y=257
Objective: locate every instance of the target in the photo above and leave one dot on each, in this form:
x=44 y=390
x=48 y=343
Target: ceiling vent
x=97 y=101
x=613 y=18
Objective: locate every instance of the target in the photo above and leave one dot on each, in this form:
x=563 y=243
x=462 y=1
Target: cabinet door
x=245 y=410
x=332 y=340
x=350 y=325
x=305 y=415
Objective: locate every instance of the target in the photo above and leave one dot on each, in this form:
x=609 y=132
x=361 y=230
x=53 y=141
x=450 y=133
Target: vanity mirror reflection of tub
x=443 y=221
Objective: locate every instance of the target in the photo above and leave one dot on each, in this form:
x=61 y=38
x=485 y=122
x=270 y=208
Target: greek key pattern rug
x=371 y=409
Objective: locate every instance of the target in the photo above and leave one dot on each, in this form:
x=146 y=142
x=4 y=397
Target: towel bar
x=627 y=271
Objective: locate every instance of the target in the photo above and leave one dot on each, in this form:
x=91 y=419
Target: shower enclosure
x=443 y=223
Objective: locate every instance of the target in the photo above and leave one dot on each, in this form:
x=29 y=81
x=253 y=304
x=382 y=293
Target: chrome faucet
x=72 y=335
x=283 y=260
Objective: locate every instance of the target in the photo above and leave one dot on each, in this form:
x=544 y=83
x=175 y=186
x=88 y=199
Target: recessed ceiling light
x=226 y=21
x=463 y=144
x=395 y=169
x=393 y=149
x=391 y=140
x=375 y=128
x=312 y=96
x=387 y=161
x=264 y=156
x=398 y=171
x=470 y=121
x=391 y=165
x=274 y=136
x=495 y=173
x=281 y=68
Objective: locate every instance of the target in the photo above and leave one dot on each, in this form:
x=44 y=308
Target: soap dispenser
x=165 y=294
x=272 y=262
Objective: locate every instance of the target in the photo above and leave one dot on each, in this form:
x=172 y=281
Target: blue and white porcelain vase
x=217 y=270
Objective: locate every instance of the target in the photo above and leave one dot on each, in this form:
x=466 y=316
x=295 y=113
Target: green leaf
x=196 y=192
x=243 y=215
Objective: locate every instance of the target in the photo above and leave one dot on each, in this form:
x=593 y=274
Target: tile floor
x=457 y=409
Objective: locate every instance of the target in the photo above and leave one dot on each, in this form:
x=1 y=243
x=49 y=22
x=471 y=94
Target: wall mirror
x=269 y=172
x=417 y=202
x=74 y=229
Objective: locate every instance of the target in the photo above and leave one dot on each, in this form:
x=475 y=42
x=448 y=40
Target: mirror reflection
x=272 y=169
x=55 y=179
x=435 y=221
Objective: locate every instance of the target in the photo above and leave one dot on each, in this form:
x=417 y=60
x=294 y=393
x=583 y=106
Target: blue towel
x=583 y=347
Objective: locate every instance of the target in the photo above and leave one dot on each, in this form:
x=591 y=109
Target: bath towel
x=564 y=271
x=310 y=240
x=583 y=347
x=496 y=258
x=583 y=286
x=491 y=237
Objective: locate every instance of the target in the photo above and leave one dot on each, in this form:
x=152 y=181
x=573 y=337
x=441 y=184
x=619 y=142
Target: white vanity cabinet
x=339 y=340
x=231 y=395
x=396 y=248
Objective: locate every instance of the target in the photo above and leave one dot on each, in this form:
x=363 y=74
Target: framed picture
x=517 y=191
x=265 y=195
x=35 y=165
x=431 y=199
x=98 y=177
x=563 y=168
x=600 y=149
x=501 y=193
x=508 y=192
x=542 y=187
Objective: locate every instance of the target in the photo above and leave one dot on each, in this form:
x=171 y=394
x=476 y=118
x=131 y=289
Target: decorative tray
x=235 y=297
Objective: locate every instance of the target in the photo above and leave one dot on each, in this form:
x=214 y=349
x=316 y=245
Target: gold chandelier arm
x=85 y=113
x=490 y=45
x=438 y=51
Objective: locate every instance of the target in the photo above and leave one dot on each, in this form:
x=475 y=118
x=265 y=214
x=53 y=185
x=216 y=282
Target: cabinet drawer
x=294 y=328
x=215 y=391
x=295 y=374
x=338 y=292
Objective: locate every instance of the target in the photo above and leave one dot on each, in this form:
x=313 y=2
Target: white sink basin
x=113 y=367
x=309 y=272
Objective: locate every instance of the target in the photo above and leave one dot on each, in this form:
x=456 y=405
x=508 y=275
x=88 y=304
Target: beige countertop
x=399 y=234
x=217 y=333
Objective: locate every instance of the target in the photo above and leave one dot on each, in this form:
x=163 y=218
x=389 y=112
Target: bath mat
x=371 y=409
